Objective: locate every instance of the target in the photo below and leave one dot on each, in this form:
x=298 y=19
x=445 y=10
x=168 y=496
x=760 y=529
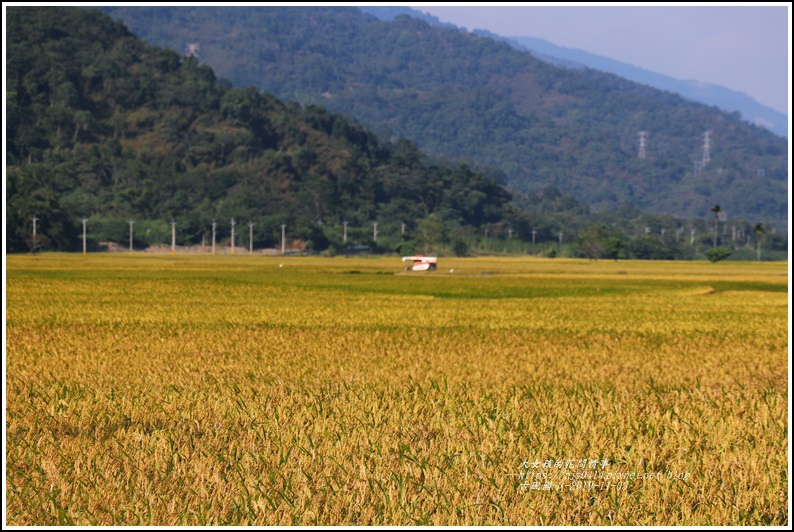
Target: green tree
x=717 y=254
x=598 y=242
x=460 y=248
x=431 y=233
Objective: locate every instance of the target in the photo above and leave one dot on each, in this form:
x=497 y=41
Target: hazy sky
x=742 y=47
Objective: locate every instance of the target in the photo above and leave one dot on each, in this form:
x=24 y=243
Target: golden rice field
x=198 y=390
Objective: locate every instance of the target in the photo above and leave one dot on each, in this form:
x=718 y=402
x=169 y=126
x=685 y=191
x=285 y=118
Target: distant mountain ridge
x=392 y=12
x=710 y=94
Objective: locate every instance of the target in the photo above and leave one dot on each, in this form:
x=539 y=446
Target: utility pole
x=173 y=238
x=233 y=223
x=131 y=224
x=402 y=231
x=533 y=236
x=760 y=232
x=35 y=246
x=250 y=238
x=374 y=231
x=344 y=232
x=283 y=241
x=214 y=225
x=84 y=220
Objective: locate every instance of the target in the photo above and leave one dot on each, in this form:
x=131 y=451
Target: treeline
x=644 y=238
x=472 y=99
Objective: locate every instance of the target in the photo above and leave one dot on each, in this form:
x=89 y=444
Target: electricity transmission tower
x=706 y=148
x=643 y=144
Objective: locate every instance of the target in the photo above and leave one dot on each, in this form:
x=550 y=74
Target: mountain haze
x=473 y=99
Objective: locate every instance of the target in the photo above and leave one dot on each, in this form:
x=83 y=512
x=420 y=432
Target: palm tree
x=716 y=210
x=760 y=233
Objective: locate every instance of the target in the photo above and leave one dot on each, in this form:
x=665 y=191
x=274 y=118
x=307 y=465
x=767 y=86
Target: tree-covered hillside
x=102 y=125
x=473 y=99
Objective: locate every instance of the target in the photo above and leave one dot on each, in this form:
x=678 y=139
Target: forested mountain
x=473 y=99
x=709 y=94
x=102 y=125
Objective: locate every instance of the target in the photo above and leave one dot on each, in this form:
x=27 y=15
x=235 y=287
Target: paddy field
x=233 y=390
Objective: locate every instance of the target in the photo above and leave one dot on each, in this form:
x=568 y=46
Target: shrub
x=717 y=254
